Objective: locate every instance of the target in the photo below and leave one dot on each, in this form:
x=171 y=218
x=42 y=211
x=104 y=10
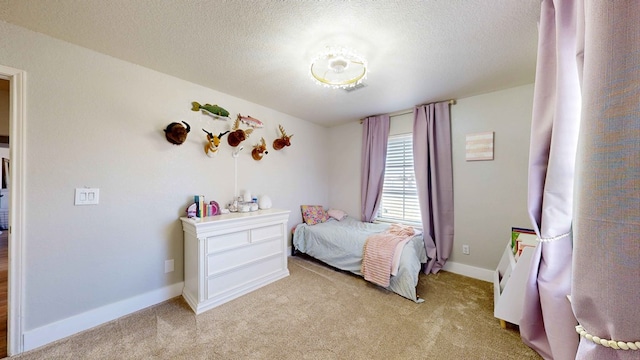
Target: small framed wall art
x=479 y=146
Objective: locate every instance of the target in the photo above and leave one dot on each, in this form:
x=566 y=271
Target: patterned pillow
x=313 y=214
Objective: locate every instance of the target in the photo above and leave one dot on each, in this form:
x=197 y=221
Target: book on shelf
x=208 y=210
x=199 y=200
x=521 y=238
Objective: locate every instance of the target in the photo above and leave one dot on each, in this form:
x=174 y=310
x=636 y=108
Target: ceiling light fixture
x=338 y=68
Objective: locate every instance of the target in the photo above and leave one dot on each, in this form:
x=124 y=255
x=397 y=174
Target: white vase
x=264 y=202
x=247 y=196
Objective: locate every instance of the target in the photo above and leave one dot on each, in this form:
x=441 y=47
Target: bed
x=340 y=243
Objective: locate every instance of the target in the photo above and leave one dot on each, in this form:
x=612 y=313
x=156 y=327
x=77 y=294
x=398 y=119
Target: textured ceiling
x=418 y=51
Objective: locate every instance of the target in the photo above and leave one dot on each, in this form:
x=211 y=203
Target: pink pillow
x=336 y=214
x=313 y=214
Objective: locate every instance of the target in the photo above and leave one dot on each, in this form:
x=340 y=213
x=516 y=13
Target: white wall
x=344 y=149
x=96 y=121
x=489 y=196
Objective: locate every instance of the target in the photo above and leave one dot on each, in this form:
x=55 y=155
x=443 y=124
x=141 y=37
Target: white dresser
x=229 y=255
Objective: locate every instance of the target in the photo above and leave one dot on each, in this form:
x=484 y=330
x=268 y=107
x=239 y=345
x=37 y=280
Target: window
x=399 y=191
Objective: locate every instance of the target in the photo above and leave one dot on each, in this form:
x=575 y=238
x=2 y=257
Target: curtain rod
x=408 y=111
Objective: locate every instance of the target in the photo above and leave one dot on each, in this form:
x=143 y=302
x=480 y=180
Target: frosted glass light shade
x=338 y=68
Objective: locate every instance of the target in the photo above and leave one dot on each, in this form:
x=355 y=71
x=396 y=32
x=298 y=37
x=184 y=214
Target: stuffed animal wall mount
x=213 y=141
x=238 y=135
x=215 y=110
x=284 y=140
x=259 y=150
x=176 y=133
x=251 y=121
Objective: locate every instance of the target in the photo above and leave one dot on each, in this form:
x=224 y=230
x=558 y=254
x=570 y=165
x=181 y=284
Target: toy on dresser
x=244 y=203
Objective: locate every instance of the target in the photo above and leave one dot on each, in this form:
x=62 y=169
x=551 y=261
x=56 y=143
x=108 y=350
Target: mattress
x=340 y=244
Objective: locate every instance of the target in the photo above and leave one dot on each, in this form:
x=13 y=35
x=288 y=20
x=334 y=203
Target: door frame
x=17 y=123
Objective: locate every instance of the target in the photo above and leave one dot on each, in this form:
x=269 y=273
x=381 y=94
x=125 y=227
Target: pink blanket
x=380 y=250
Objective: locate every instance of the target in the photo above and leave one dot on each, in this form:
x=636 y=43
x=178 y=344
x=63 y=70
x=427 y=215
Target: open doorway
x=13 y=178
x=4 y=213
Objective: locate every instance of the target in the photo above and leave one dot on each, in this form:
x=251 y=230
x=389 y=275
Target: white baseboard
x=87 y=320
x=470 y=271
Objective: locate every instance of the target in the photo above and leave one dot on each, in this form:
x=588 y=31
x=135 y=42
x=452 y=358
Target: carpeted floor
x=316 y=313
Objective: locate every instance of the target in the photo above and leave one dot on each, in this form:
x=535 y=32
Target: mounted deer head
x=283 y=141
x=213 y=141
x=259 y=150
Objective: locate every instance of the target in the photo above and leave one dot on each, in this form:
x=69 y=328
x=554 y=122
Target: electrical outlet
x=168 y=266
x=465 y=249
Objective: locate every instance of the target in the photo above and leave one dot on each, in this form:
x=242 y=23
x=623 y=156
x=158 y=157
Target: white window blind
x=399 y=192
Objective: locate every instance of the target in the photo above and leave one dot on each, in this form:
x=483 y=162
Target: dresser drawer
x=240 y=277
x=224 y=260
x=227 y=241
x=266 y=232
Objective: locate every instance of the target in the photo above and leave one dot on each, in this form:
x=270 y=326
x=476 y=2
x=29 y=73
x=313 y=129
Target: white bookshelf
x=509 y=281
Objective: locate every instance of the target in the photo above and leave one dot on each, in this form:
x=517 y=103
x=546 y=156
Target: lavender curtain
x=547 y=319
x=606 y=275
x=434 y=178
x=375 y=134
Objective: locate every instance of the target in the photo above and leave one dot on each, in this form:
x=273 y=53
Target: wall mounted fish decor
x=284 y=140
x=176 y=133
x=212 y=109
x=213 y=141
x=251 y=121
x=259 y=150
x=237 y=135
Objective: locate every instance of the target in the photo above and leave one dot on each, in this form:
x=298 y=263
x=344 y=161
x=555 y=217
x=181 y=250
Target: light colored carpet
x=316 y=313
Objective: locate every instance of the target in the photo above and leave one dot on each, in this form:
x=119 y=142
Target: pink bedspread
x=380 y=250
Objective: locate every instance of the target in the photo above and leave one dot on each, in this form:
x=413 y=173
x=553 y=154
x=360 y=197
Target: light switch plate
x=87 y=196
